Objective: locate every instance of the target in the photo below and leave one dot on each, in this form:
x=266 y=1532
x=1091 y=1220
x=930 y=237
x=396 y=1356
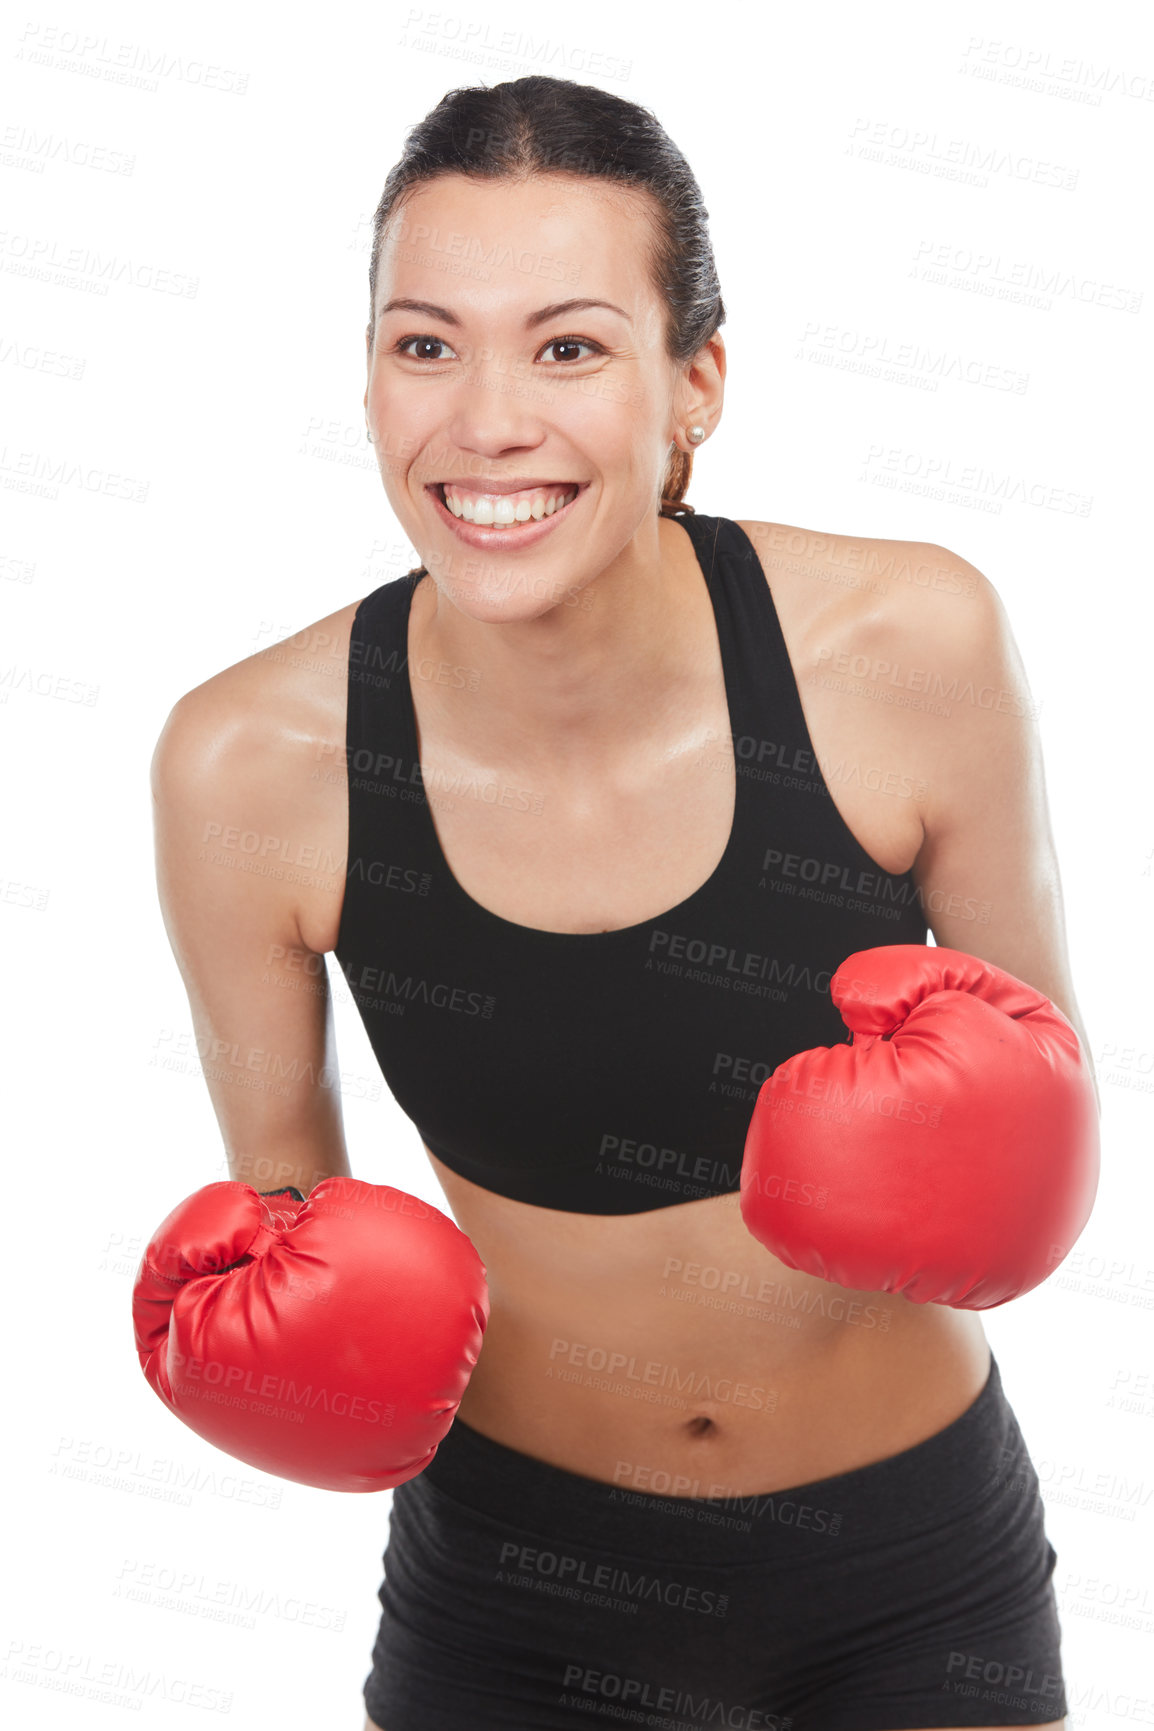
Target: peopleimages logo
x=526 y=1560
x=726 y=958
x=637 y=1692
x=636 y=1376
x=402 y=991
x=857 y=1097
x=667 y=1162
x=196 y=1378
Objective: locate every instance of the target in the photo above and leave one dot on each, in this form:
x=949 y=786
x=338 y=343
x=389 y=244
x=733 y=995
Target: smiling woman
x=735 y=1449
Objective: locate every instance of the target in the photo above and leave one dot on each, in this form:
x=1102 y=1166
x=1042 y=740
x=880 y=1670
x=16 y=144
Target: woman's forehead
x=589 y=238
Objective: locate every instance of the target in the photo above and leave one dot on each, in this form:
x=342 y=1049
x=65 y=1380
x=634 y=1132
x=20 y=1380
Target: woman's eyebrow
x=538 y=318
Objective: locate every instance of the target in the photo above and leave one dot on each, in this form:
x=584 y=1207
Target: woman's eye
x=563 y=349
x=427 y=348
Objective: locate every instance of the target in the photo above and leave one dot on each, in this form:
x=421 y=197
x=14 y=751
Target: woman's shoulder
x=854 y=592
x=903 y=649
x=241 y=729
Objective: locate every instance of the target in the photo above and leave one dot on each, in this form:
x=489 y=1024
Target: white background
x=820 y=137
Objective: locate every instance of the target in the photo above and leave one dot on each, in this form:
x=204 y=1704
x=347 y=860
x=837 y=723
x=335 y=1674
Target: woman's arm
x=229 y=767
x=987 y=868
x=989 y=1160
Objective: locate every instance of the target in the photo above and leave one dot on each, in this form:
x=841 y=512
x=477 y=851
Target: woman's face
x=520 y=396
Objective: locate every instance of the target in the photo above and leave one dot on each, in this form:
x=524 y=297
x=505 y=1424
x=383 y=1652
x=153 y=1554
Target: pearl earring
x=695 y=435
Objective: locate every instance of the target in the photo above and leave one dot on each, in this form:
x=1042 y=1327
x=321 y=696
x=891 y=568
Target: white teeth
x=499 y=510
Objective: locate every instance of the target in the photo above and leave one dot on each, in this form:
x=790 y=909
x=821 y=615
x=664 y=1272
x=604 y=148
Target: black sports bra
x=606 y=1072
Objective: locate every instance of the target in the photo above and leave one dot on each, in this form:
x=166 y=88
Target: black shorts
x=914 y=1592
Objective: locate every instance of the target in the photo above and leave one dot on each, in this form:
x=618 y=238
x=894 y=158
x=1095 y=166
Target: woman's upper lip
x=520 y=485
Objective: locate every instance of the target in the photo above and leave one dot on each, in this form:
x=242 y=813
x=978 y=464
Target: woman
x=593 y=740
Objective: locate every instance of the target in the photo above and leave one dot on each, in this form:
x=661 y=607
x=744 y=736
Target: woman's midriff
x=671 y=1352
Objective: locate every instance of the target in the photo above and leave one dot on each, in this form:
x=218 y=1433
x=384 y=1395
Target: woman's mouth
x=503 y=519
x=501 y=509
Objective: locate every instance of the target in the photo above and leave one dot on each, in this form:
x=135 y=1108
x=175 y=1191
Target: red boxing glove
x=326 y=1340
x=950 y=1152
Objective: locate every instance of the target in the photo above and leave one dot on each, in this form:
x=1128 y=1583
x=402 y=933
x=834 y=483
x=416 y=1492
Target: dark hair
x=544 y=125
